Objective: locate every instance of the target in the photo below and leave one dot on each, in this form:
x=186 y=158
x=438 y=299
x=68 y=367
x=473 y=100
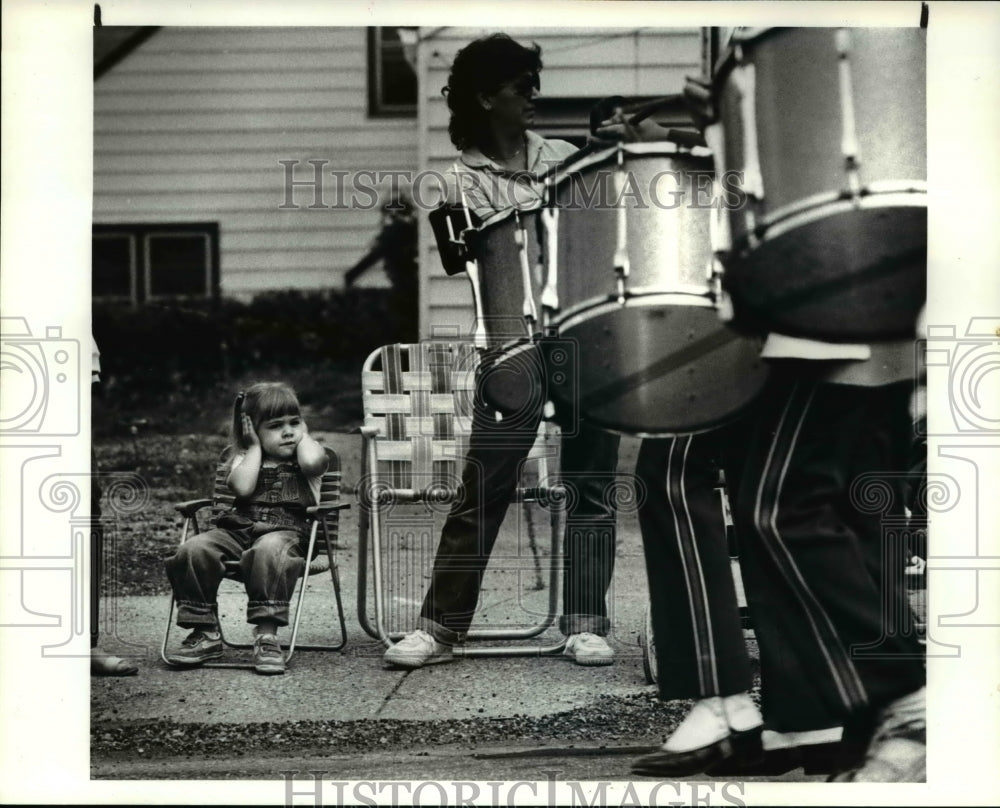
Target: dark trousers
x=824 y=579
x=700 y=649
x=497 y=451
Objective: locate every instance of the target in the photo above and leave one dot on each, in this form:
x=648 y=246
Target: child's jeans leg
x=270 y=568
x=195 y=572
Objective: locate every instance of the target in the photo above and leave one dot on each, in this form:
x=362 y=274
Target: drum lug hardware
x=528 y=308
x=550 y=294
x=854 y=189
x=479 y=338
x=621 y=259
x=715 y=270
x=621 y=286
x=745 y=78
x=848 y=134
x=479 y=335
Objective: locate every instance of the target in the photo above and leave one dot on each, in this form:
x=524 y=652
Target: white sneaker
x=741 y=712
x=588 y=649
x=416 y=649
x=705 y=724
x=707 y=739
x=712 y=719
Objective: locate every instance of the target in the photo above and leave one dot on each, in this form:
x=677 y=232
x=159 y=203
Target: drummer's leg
x=814 y=573
x=588 y=468
x=491 y=472
x=699 y=638
x=700 y=649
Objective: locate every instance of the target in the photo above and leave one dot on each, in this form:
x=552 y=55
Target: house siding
x=192 y=125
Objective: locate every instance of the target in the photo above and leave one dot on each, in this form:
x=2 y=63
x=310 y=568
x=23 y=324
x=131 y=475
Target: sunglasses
x=526 y=85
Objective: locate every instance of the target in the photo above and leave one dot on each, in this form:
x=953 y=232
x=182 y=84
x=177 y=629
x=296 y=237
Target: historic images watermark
x=55 y=528
x=309 y=788
x=41 y=381
x=310 y=185
x=963 y=442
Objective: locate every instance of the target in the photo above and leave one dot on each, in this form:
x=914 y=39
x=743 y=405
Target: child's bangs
x=276 y=402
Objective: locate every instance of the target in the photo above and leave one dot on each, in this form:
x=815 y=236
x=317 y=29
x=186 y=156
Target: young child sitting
x=275 y=473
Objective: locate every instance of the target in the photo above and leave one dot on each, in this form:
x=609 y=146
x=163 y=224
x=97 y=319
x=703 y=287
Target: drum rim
x=508 y=215
x=596 y=306
x=758 y=367
x=742 y=36
x=750 y=36
x=710 y=426
x=820 y=206
x=576 y=162
x=495 y=354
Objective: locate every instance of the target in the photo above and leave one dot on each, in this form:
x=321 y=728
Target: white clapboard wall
x=581 y=63
x=191 y=126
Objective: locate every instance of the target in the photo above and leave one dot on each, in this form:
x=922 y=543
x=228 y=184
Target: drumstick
x=650 y=107
x=479 y=335
x=639 y=111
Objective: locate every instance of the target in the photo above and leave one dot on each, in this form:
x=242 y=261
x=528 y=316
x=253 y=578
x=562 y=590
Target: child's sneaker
x=268 y=658
x=416 y=649
x=200 y=646
x=589 y=649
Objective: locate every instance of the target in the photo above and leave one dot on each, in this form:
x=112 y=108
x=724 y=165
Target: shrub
x=172 y=356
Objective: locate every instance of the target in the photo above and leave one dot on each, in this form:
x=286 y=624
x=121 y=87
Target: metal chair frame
x=418 y=416
x=325 y=516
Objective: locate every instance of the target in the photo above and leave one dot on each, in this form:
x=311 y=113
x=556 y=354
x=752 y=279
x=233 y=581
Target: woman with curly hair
x=491 y=92
x=491 y=97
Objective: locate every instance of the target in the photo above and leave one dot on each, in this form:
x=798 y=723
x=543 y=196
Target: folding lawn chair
x=324 y=520
x=418 y=417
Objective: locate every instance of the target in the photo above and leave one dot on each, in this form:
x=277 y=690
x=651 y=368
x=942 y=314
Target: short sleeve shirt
x=492 y=192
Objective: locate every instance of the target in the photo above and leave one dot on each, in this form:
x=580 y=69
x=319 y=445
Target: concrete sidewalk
x=353 y=684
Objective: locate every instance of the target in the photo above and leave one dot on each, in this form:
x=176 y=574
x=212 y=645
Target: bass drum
x=639 y=347
x=821 y=142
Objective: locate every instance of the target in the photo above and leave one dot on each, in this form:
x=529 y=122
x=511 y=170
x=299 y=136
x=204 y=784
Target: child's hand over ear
x=251 y=434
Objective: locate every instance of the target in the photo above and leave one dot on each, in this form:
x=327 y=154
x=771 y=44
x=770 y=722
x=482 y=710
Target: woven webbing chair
x=324 y=522
x=418 y=416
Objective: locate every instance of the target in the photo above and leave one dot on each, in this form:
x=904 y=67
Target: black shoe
x=820 y=758
x=742 y=746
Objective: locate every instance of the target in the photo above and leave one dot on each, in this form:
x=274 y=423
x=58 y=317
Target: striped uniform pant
x=700 y=650
x=824 y=576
